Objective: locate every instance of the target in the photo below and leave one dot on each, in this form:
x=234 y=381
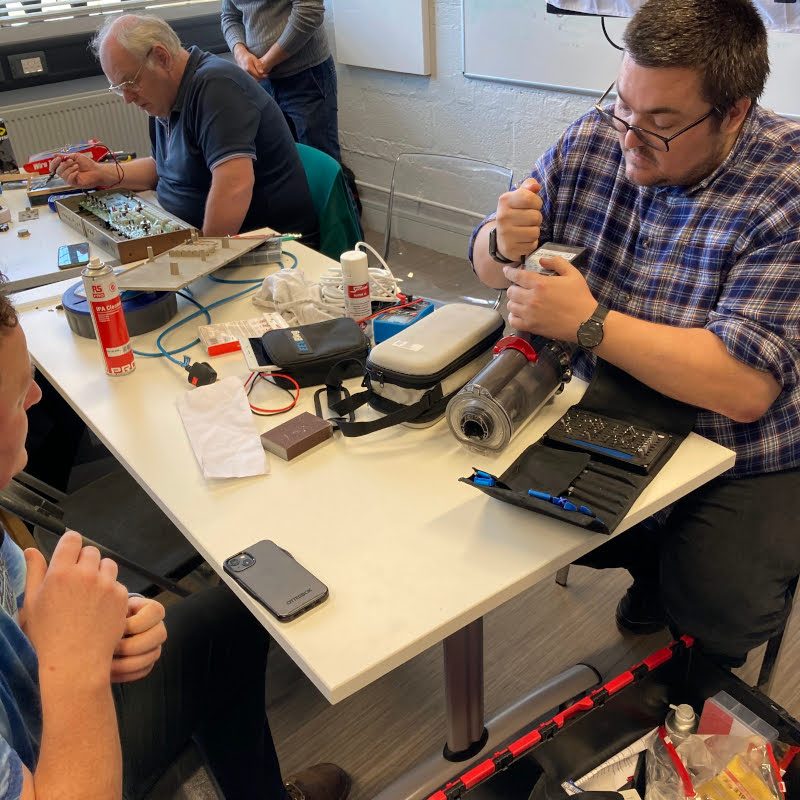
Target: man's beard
x=690 y=178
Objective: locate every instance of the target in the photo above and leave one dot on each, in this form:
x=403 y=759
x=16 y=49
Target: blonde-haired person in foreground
x=99 y=693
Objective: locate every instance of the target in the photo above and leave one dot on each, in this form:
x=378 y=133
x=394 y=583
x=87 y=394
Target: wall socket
x=26 y=65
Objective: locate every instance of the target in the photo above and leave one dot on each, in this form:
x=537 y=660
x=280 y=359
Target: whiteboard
x=384 y=35
x=517 y=41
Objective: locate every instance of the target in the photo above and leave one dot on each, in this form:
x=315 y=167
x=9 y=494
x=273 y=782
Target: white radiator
x=47 y=124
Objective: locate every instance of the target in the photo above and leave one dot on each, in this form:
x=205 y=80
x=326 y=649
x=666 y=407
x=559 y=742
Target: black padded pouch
x=606 y=486
x=307 y=352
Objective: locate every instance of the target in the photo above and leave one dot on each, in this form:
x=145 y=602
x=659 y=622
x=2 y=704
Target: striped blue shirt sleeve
x=756 y=314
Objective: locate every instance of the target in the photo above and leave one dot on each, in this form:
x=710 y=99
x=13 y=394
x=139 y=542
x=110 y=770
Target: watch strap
x=494 y=252
x=600 y=314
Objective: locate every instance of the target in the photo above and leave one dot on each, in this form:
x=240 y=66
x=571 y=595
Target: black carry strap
x=335 y=391
x=348 y=404
x=403 y=414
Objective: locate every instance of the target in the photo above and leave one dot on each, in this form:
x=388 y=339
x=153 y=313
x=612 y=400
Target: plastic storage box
x=722 y=714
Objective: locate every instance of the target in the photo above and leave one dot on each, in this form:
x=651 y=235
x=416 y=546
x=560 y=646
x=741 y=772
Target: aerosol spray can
x=681 y=722
x=355 y=283
x=105 y=306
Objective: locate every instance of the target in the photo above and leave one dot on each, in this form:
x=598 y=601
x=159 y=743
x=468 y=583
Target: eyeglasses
x=647 y=138
x=120 y=88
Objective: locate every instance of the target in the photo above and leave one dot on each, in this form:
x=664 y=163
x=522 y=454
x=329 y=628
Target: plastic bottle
x=355 y=284
x=681 y=722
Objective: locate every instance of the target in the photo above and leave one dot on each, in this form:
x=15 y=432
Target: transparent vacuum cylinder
x=499 y=401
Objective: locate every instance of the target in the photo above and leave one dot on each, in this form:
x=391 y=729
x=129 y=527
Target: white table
x=411 y=556
x=37 y=255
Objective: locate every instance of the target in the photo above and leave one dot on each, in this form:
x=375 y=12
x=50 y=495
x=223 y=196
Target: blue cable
x=257 y=280
x=253 y=283
x=162 y=353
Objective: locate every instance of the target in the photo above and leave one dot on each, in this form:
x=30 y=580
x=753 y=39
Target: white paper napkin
x=222 y=431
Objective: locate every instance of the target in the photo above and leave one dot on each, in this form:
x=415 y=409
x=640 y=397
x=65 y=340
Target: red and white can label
x=358 y=291
x=108 y=317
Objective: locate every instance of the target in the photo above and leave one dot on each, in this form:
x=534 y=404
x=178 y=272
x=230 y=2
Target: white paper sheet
x=222 y=431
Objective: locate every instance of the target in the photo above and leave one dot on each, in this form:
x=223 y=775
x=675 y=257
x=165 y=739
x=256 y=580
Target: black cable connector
x=201 y=373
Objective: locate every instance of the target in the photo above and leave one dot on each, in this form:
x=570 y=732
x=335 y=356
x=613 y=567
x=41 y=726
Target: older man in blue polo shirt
x=223 y=156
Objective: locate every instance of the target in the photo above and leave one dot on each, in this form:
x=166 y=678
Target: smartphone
x=254 y=355
x=73 y=255
x=272 y=576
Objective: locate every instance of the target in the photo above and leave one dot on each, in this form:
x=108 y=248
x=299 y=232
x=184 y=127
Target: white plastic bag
x=711 y=768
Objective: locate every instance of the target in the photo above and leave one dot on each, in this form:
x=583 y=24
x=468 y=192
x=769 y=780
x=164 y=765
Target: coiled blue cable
x=253 y=284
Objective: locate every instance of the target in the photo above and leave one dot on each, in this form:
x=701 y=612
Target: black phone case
x=280 y=583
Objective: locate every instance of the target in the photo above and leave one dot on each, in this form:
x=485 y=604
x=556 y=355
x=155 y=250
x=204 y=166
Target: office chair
x=435 y=202
x=339 y=225
x=772 y=651
x=115 y=514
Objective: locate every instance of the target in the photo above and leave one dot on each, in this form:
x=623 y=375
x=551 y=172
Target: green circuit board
x=128 y=215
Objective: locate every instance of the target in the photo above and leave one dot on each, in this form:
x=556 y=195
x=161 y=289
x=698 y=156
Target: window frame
x=40 y=32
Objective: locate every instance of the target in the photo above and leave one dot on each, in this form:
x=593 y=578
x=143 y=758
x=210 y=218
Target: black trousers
x=207 y=685
x=722 y=561
x=54 y=434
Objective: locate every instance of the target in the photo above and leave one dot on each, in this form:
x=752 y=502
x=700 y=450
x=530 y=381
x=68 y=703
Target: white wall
x=382 y=114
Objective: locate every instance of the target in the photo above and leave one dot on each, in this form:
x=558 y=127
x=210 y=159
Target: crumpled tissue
x=289 y=293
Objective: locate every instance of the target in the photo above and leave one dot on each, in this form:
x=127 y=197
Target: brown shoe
x=320 y=782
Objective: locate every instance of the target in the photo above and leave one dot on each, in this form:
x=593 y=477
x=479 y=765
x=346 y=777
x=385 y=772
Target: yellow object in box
x=738 y=781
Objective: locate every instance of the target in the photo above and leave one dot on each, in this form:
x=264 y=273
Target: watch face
x=590 y=334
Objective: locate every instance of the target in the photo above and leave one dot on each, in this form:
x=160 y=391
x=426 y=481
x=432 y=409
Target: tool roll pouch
x=307 y=352
x=411 y=376
x=592 y=477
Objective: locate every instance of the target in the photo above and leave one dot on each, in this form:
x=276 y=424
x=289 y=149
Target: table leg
x=468 y=736
x=463 y=690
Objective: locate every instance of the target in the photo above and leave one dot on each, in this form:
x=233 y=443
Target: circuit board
x=129 y=215
x=123 y=223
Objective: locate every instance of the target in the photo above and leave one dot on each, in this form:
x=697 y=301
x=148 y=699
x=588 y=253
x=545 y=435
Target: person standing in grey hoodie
x=283 y=45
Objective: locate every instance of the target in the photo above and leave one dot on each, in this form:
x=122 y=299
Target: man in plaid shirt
x=687 y=195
